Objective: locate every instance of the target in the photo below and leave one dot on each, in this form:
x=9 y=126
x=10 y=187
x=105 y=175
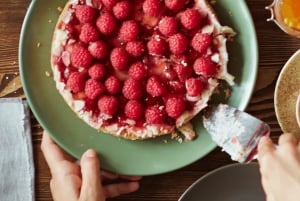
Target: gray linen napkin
x=16 y=158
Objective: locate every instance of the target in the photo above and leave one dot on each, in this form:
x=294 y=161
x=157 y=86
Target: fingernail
x=90 y=153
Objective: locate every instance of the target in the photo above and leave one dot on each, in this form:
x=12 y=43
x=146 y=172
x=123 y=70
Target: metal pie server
x=236 y=132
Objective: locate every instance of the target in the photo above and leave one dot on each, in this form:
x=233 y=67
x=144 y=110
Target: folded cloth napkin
x=16 y=157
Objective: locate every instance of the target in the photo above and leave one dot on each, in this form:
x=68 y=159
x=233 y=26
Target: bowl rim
x=298 y=109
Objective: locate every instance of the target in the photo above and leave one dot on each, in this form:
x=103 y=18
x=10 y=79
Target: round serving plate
x=122 y=156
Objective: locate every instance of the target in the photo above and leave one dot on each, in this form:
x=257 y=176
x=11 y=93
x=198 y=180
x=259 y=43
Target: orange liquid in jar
x=290 y=12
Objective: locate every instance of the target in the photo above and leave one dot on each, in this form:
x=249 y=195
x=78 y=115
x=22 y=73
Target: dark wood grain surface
x=275 y=48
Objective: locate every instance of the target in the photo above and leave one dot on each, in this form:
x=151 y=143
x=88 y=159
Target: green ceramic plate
x=119 y=155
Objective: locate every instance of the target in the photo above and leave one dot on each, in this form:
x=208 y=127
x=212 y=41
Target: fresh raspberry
x=175 y=4
x=97 y=71
x=204 y=66
x=80 y=57
x=152 y=7
x=190 y=19
x=168 y=26
x=175 y=106
x=132 y=89
x=119 y=58
x=122 y=10
x=85 y=13
x=108 y=105
x=129 y=31
x=98 y=49
x=76 y=82
x=137 y=71
x=201 y=42
x=133 y=109
x=178 y=43
x=183 y=72
x=155 y=87
x=194 y=86
x=109 y=3
x=93 y=89
x=135 y=48
x=156 y=46
x=106 y=23
x=155 y=115
x=112 y=84
x=88 y=33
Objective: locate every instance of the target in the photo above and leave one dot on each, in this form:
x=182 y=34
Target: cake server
x=235 y=131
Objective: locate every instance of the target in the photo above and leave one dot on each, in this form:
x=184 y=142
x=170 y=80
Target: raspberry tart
x=139 y=69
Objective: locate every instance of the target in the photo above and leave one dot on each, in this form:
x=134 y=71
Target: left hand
x=73 y=182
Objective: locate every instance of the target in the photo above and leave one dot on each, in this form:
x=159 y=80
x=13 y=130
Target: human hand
x=280 y=168
x=73 y=182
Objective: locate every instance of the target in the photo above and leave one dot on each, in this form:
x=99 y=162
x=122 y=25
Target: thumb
x=91 y=182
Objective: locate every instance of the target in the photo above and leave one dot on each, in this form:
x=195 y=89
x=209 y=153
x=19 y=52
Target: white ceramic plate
x=235 y=182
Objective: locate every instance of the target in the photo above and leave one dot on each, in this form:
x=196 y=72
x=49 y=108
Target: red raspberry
x=108 y=105
x=122 y=10
x=183 y=72
x=175 y=4
x=178 y=43
x=132 y=89
x=133 y=109
x=156 y=46
x=119 y=58
x=155 y=115
x=113 y=84
x=97 y=71
x=155 y=87
x=80 y=57
x=137 y=71
x=168 y=26
x=109 y=3
x=85 y=13
x=190 y=19
x=204 y=66
x=135 y=48
x=98 y=49
x=76 y=82
x=106 y=23
x=129 y=31
x=88 y=33
x=194 y=86
x=175 y=106
x=152 y=7
x=201 y=42
x=93 y=89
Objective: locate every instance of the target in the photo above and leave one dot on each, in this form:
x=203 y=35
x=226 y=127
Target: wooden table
x=275 y=48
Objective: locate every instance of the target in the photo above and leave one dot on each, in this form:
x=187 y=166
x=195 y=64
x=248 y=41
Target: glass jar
x=286 y=14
